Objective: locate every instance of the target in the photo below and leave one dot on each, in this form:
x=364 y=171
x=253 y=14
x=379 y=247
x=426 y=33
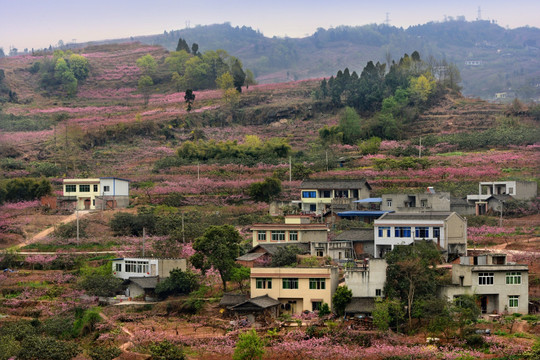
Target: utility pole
x=290 y=168
x=143 y=239
x=77 y=212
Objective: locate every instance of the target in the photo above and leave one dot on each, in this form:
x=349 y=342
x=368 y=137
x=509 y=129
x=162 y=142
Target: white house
x=501 y=287
x=125 y=268
x=447 y=230
x=99 y=193
x=324 y=195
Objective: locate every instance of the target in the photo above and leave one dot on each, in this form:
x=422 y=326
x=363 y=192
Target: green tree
x=286 y=256
x=189 y=97
x=178 y=282
x=177 y=61
x=249 y=347
x=250 y=79
x=147 y=64
x=145 y=85
x=340 y=299
x=225 y=81
x=79 y=66
x=411 y=275
x=218 y=248
x=240 y=275
x=265 y=191
x=350 y=125
x=238 y=74
x=182 y=45
x=65 y=77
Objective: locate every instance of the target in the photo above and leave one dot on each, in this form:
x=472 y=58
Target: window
x=309 y=194
x=485 y=278
x=326 y=193
x=510 y=191
x=378 y=292
x=95 y=188
x=278 y=235
x=513 y=301
x=422 y=232
x=355 y=194
x=342 y=193
x=293 y=235
x=436 y=232
x=423 y=203
x=320 y=253
x=403 y=231
x=290 y=283
x=118 y=267
x=93 y=202
x=513 y=278
x=312 y=207
x=84 y=188
x=317 y=284
x=389 y=202
x=136 y=266
x=263 y=283
x=261 y=235
x=71 y=188
x=384 y=231
x=106 y=188
x=316 y=305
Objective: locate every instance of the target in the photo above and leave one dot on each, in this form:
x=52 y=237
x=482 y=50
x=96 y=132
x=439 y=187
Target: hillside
x=507 y=59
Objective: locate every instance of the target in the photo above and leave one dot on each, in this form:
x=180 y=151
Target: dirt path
x=44 y=233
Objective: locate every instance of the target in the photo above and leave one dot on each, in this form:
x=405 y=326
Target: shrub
x=249 y=347
x=47 y=348
x=86 y=321
x=178 y=282
x=340 y=299
x=165 y=350
x=69 y=230
x=101 y=285
x=370 y=146
x=104 y=352
x=9 y=347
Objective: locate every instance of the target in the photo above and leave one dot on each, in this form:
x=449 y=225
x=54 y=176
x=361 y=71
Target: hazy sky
x=39 y=23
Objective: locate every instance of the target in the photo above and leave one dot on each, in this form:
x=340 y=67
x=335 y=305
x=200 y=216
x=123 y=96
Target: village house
x=297 y=289
x=366 y=283
x=262 y=254
x=324 y=196
x=447 y=230
x=100 y=193
x=502 y=287
x=297 y=229
x=428 y=201
x=349 y=245
x=143 y=274
x=493 y=194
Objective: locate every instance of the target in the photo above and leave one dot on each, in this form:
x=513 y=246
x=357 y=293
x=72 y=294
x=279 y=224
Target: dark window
x=263 y=283
x=422 y=232
x=317 y=284
x=84 y=188
x=118 y=267
x=316 y=305
x=309 y=194
x=485 y=278
x=71 y=188
x=403 y=231
x=106 y=188
x=312 y=207
x=95 y=188
x=290 y=283
x=293 y=235
x=326 y=193
x=437 y=232
x=378 y=292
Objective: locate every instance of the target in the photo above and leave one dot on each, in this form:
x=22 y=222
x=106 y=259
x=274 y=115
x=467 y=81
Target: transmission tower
x=479 y=16
x=387 y=21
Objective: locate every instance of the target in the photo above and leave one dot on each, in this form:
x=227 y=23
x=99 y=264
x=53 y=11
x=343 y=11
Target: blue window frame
x=403 y=231
x=422 y=232
x=436 y=232
x=309 y=194
x=384 y=231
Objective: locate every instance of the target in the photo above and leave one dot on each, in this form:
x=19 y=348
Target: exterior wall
x=304 y=236
x=497 y=295
x=304 y=296
x=400 y=202
x=84 y=198
x=364 y=283
x=112 y=202
x=116 y=187
x=156 y=267
x=166 y=265
x=456 y=233
x=520 y=190
x=135 y=290
x=321 y=203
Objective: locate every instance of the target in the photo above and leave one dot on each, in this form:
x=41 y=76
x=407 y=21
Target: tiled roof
x=428 y=215
x=273 y=248
x=339 y=184
x=289 y=227
x=229 y=299
x=356 y=235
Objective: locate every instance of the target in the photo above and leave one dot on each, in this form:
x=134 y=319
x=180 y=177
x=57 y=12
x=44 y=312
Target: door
x=483 y=304
x=86 y=204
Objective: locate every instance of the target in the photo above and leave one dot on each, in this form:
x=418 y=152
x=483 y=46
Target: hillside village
x=306 y=218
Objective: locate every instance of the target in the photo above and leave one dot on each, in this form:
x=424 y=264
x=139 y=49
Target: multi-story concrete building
x=103 y=193
x=429 y=201
x=298 y=289
x=502 y=287
x=332 y=195
x=446 y=229
x=297 y=229
x=125 y=268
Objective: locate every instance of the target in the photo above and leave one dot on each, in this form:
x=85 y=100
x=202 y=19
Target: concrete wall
x=364 y=283
x=304 y=236
x=166 y=265
x=116 y=187
x=433 y=202
x=304 y=296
